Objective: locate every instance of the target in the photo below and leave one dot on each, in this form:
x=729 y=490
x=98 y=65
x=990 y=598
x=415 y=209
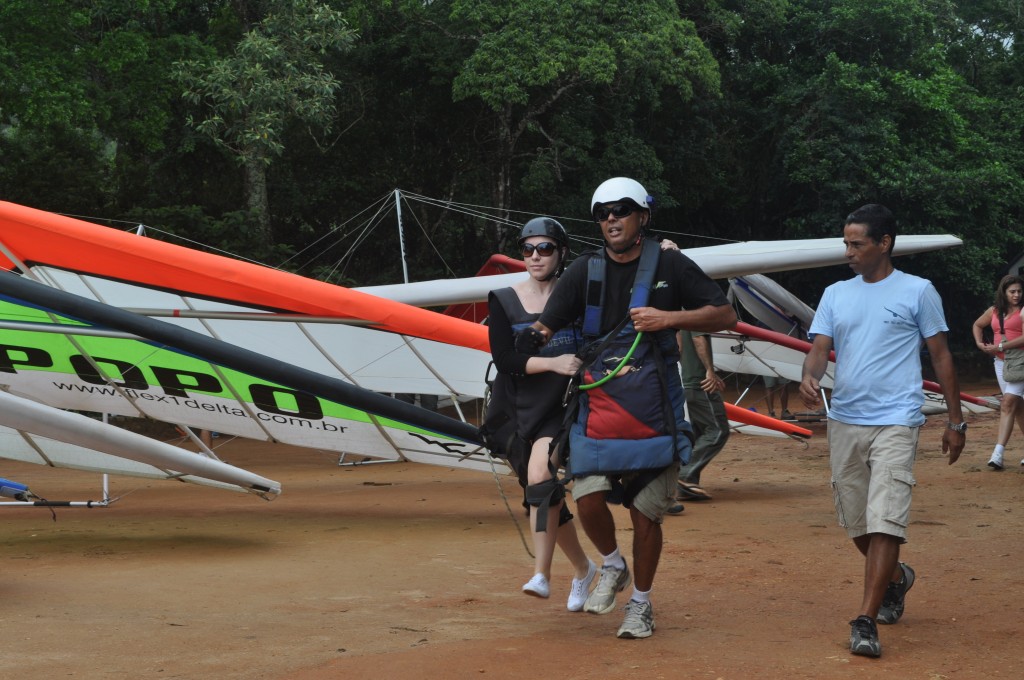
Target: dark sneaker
x=864 y=637
x=613 y=581
x=895 y=595
x=639 y=621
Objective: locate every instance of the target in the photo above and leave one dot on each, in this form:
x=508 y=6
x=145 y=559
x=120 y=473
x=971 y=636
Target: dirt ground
x=401 y=570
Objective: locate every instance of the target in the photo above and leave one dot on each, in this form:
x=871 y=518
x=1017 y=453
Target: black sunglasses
x=620 y=210
x=545 y=249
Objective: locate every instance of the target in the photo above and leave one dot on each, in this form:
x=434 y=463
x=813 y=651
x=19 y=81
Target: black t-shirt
x=678 y=284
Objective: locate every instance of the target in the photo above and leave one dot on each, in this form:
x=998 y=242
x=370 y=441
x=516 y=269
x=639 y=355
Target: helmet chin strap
x=557 y=270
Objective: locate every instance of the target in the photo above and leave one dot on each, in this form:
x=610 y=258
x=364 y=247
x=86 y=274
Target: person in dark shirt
x=682 y=297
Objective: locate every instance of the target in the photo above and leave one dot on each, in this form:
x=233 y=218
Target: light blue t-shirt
x=877 y=330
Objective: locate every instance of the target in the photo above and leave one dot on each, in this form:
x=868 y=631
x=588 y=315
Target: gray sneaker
x=639 y=621
x=895 y=597
x=864 y=637
x=613 y=581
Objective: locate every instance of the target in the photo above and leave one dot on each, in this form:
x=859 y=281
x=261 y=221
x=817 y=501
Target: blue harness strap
x=639 y=296
x=645 y=272
x=595 y=296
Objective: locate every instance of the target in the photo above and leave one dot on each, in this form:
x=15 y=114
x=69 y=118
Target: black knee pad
x=547 y=493
x=544 y=495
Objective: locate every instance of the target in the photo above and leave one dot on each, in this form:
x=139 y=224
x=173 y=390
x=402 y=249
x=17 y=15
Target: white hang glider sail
x=35 y=433
x=718 y=262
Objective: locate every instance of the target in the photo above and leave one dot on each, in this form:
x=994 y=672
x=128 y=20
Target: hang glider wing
x=38 y=241
x=314 y=325
x=719 y=262
x=475 y=311
x=34 y=433
x=357 y=352
x=71 y=352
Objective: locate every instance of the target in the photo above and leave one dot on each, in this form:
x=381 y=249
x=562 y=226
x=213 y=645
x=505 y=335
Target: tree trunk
x=256 y=200
x=502 y=191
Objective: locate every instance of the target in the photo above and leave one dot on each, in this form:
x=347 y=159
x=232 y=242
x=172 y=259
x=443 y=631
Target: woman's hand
x=566 y=364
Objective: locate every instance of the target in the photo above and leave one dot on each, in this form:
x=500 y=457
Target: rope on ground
x=511 y=512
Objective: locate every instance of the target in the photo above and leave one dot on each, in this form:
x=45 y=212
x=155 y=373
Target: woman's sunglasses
x=620 y=210
x=545 y=249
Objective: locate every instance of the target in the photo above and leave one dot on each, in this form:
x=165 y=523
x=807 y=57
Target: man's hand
x=953 y=444
x=712 y=383
x=647 y=319
x=810 y=392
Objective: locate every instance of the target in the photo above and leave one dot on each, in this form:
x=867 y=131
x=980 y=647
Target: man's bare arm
x=711 y=381
x=945 y=371
x=709 y=318
x=814 y=367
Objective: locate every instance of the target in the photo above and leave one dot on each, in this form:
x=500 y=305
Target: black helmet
x=544 y=226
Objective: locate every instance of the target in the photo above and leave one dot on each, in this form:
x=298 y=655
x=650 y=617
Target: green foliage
x=42 y=71
x=273 y=76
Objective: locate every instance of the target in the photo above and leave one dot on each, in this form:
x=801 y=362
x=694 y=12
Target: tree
x=274 y=77
x=528 y=58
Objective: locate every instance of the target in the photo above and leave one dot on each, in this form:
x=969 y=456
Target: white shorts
x=1016 y=388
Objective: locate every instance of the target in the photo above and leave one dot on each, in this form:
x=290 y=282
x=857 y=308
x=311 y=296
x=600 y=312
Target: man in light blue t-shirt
x=876 y=323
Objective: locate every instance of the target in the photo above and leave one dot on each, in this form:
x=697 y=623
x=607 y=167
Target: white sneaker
x=537 y=586
x=639 y=621
x=581 y=588
x=612 y=582
x=996 y=461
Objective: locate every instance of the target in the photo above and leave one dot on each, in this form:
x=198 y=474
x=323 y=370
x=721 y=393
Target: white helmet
x=619 y=189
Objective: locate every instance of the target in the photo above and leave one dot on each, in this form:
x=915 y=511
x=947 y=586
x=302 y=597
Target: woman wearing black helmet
x=529 y=389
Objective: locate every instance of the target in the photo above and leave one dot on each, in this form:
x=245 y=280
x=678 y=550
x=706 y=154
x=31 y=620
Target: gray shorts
x=872 y=477
x=653 y=501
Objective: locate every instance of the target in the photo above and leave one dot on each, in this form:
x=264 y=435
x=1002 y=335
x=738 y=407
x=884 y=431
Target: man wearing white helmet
x=672 y=293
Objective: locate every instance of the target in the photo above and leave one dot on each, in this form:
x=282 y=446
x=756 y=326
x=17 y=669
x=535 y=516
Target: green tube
x=618 y=368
